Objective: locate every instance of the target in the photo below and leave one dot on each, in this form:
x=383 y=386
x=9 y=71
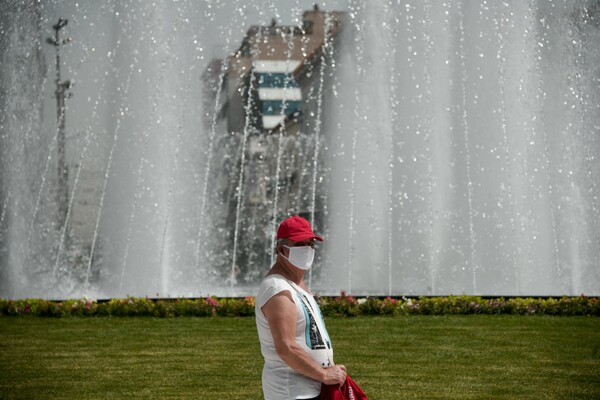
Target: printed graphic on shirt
x=313 y=339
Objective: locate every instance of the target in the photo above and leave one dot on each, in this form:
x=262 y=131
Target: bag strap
x=317 y=318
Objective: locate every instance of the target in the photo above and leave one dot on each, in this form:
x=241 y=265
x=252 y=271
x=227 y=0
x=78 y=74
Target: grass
x=418 y=357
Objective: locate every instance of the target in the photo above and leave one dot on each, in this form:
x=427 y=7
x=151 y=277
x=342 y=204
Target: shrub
x=343 y=305
x=340 y=306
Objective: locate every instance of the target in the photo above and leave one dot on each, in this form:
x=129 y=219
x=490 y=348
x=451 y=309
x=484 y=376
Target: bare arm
x=280 y=311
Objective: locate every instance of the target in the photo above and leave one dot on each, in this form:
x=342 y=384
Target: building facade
x=268 y=159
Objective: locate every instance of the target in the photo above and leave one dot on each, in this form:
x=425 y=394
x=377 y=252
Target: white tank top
x=280 y=382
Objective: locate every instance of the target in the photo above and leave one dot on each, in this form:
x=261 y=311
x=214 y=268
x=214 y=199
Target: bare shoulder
x=280 y=304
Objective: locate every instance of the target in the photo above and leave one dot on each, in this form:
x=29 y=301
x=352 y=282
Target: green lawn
x=417 y=357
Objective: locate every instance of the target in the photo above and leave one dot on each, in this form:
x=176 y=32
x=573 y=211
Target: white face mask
x=301 y=257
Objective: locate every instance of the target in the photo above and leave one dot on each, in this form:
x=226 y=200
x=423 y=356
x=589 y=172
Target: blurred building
x=265 y=103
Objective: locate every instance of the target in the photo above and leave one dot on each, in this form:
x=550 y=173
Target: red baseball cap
x=297 y=229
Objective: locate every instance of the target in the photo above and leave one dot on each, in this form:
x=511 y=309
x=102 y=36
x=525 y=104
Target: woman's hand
x=335 y=375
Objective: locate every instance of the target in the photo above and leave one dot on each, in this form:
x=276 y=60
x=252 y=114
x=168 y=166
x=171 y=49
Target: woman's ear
x=280 y=249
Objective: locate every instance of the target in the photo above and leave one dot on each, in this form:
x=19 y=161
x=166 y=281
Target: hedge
x=345 y=305
x=341 y=306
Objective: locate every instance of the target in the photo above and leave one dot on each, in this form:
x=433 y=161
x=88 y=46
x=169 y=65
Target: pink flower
x=211 y=302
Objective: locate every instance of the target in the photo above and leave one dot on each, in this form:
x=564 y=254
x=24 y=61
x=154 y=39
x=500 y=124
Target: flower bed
x=345 y=305
x=341 y=306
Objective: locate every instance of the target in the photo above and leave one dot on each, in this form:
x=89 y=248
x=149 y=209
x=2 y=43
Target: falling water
x=40 y=192
x=450 y=148
x=546 y=159
x=65 y=225
x=280 y=146
x=492 y=201
x=430 y=140
x=134 y=207
x=325 y=55
x=500 y=26
x=240 y=185
x=209 y=157
x=472 y=263
x=353 y=165
x=4 y=206
x=104 y=185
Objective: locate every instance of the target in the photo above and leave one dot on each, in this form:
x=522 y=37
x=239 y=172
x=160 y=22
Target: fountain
x=440 y=148
x=476 y=126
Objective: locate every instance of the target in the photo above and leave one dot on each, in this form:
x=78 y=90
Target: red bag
x=348 y=391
